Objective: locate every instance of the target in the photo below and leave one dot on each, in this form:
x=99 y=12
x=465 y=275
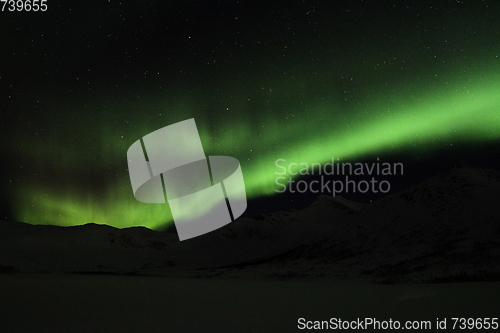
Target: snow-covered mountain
x=446 y=228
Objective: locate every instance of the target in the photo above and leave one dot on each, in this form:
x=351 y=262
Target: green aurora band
x=465 y=110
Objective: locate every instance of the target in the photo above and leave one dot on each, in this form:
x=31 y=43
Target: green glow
x=467 y=110
x=68 y=209
x=463 y=112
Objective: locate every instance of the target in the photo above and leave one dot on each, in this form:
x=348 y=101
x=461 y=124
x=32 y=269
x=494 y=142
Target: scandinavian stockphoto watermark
x=336 y=177
x=169 y=165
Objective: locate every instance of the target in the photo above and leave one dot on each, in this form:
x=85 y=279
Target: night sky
x=416 y=82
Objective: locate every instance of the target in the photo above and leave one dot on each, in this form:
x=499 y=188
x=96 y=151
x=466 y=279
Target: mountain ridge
x=444 y=227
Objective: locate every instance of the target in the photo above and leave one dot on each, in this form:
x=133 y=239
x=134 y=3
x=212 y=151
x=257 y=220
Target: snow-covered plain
x=89 y=303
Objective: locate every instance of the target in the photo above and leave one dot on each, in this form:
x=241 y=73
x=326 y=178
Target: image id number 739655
x=24 y=5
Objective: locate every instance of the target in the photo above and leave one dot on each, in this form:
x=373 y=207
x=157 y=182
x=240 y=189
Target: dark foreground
x=105 y=303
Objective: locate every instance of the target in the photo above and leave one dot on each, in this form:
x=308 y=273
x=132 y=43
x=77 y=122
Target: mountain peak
x=338 y=201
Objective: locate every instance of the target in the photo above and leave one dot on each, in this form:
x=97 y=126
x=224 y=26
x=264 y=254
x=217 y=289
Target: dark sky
x=414 y=82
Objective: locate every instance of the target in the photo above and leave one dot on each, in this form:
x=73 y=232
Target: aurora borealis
x=301 y=81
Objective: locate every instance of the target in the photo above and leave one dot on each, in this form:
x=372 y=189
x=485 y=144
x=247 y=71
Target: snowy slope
x=445 y=227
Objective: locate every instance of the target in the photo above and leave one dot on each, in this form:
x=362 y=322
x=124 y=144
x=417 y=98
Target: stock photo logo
x=169 y=165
